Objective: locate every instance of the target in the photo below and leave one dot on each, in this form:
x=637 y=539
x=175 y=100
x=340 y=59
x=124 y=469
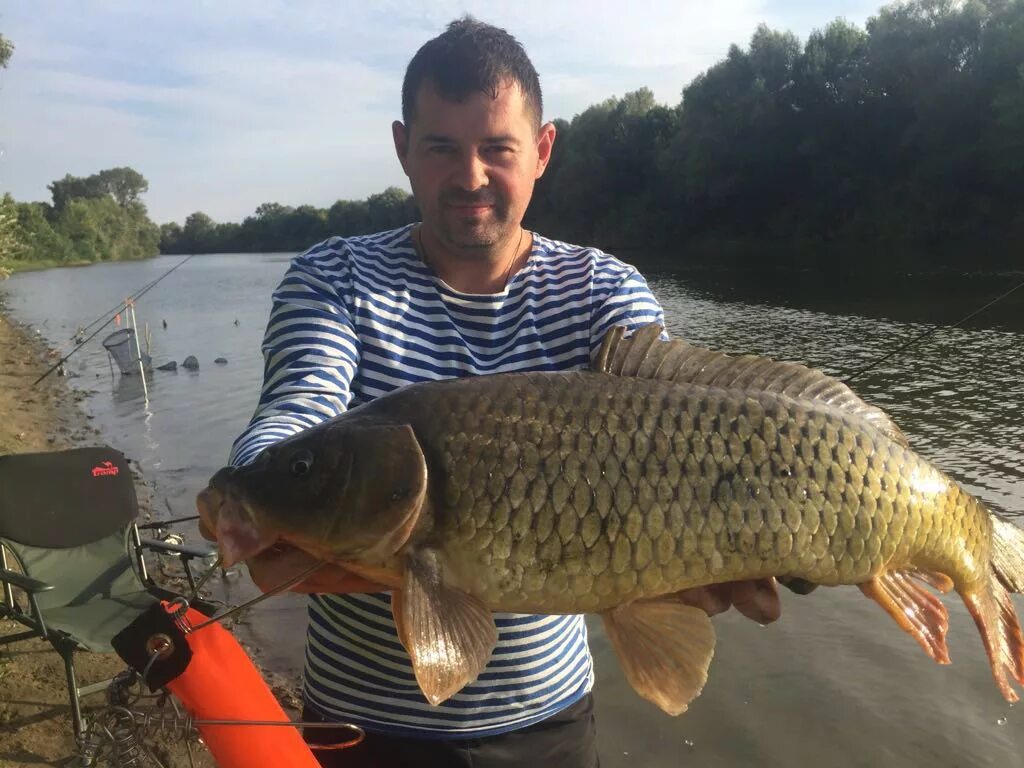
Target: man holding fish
x=516 y=459
x=466 y=292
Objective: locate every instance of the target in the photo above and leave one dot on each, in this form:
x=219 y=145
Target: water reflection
x=834 y=682
x=959 y=395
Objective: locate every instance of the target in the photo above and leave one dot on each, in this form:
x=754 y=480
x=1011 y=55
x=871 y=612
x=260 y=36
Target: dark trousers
x=566 y=739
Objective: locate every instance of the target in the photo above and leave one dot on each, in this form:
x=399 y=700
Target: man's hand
x=279 y=564
x=757 y=599
x=273 y=567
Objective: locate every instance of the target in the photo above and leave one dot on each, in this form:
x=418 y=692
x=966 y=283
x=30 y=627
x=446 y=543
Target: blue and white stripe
x=355 y=318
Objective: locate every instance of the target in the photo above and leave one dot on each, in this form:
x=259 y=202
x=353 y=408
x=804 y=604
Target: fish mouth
x=233 y=520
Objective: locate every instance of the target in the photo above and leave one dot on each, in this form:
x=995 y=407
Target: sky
x=226 y=104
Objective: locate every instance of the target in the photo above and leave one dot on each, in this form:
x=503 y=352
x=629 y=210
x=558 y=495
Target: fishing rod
x=929 y=332
x=117 y=307
x=142 y=292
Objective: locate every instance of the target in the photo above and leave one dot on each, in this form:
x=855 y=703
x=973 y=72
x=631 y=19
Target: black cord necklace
x=511 y=262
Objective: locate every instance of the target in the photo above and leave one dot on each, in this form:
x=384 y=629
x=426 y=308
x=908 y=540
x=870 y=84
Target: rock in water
x=191 y=363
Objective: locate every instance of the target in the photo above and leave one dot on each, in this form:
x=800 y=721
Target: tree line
x=276 y=227
x=907 y=134
x=904 y=136
x=95 y=218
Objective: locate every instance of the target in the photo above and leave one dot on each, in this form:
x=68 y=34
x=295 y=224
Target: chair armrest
x=179 y=549
x=30 y=585
x=165 y=523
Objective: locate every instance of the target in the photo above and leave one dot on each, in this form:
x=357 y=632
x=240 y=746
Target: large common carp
x=608 y=491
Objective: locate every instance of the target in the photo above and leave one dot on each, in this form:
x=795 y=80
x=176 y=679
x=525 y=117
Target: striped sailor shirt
x=355 y=318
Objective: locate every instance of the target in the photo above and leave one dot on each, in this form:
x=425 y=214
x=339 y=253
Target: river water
x=834 y=682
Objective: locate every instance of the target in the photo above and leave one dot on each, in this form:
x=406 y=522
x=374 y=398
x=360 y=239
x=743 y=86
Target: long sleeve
x=631 y=303
x=310 y=352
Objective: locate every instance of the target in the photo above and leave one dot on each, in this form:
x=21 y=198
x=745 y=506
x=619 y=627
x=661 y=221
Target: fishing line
x=117 y=307
x=929 y=332
x=142 y=292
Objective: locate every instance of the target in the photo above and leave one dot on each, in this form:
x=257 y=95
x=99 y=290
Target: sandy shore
x=35 y=723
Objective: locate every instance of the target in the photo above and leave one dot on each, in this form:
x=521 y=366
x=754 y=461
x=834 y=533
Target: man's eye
x=441 y=149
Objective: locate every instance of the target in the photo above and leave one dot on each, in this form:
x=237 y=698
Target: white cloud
x=224 y=105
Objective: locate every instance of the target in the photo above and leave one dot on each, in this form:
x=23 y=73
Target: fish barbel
x=608 y=491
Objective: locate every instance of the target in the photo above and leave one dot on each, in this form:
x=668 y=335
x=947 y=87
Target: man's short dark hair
x=467 y=57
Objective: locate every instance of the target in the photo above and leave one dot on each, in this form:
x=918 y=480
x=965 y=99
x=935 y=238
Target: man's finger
x=712 y=599
x=279 y=565
x=757 y=599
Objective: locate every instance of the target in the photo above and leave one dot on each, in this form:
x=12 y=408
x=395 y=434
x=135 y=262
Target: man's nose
x=472 y=172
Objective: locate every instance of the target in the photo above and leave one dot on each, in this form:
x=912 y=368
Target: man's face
x=472 y=165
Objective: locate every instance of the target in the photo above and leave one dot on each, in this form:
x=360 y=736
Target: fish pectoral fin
x=665 y=649
x=448 y=634
x=920 y=613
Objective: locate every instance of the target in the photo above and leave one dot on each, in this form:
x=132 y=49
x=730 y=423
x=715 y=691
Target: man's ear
x=401 y=137
x=545 y=141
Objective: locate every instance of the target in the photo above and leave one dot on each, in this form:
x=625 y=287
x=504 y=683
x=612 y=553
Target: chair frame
x=65 y=644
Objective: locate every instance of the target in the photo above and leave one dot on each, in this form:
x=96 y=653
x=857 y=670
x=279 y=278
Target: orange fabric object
x=221 y=683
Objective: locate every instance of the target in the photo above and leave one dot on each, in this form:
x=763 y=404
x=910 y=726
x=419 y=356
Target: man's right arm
x=311 y=353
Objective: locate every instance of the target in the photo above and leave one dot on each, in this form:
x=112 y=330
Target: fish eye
x=302 y=463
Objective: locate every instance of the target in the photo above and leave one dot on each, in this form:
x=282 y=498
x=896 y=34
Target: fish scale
x=668 y=486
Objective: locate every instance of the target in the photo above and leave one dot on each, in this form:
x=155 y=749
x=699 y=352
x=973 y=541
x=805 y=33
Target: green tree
x=63 y=191
x=6 y=51
x=39 y=239
x=199 y=230
x=125 y=185
x=10 y=245
x=170 y=237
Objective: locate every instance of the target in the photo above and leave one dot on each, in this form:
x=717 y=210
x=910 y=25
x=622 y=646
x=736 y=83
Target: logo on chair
x=105 y=468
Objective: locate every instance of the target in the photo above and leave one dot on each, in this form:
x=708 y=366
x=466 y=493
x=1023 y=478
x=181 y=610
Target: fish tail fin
x=992 y=609
x=1008 y=554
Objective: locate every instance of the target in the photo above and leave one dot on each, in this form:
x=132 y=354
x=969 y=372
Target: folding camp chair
x=68 y=522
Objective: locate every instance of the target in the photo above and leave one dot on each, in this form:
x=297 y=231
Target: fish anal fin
x=448 y=634
x=665 y=649
x=920 y=613
x=992 y=610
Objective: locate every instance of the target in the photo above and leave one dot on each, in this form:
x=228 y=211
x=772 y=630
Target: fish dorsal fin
x=646 y=355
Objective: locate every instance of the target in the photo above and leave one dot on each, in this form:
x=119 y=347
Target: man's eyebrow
x=437 y=138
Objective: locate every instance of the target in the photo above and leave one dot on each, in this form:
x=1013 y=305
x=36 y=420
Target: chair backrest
x=95 y=571
x=66 y=516
x=65 y=498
